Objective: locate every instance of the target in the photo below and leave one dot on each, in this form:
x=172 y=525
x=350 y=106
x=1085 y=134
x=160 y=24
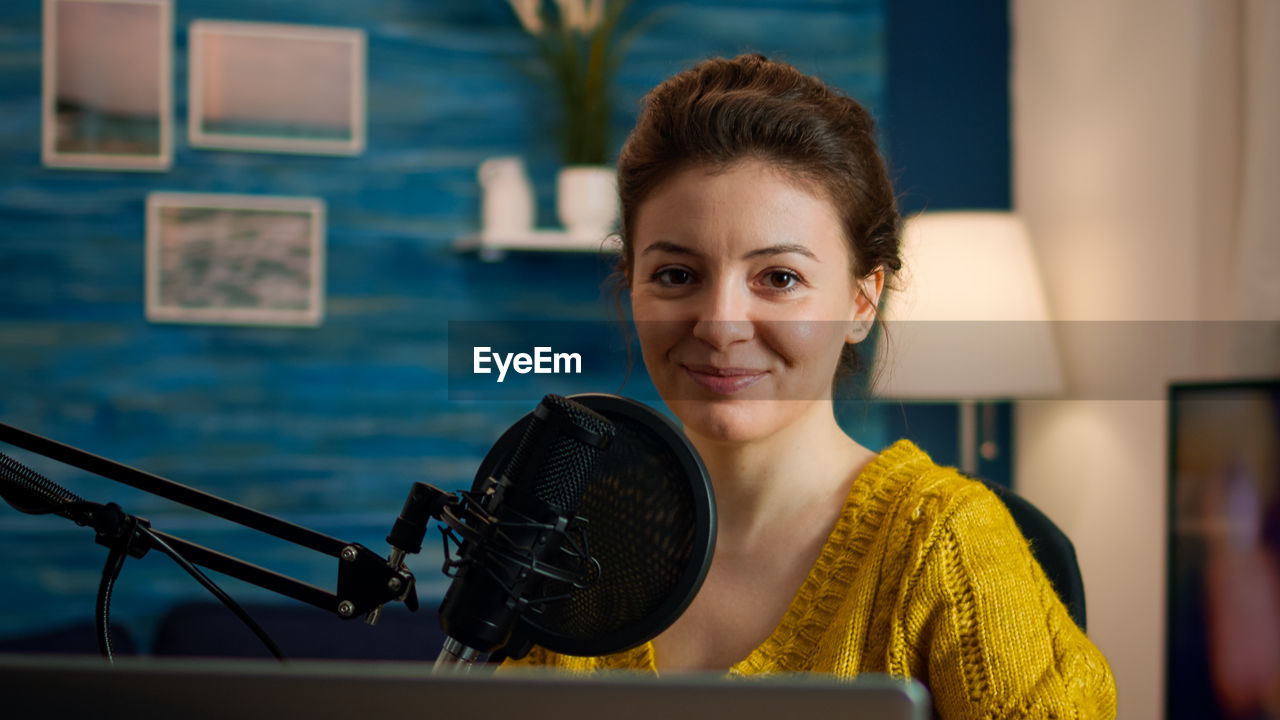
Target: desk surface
x=46 y=686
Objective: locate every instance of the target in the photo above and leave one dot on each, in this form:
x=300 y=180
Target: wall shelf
x=493 y=249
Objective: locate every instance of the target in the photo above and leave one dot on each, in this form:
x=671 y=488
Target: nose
x=722 y=315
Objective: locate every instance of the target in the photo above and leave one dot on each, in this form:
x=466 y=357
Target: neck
x=806 y=467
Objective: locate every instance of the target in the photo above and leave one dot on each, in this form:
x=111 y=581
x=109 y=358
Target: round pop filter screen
x=650 y=523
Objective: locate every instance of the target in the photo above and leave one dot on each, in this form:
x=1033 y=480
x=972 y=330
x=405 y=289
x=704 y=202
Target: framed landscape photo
x=276 y=88
x=107 y=92
x=235 y=259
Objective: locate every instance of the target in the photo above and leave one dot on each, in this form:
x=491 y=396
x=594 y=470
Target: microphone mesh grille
x=569 y=462
x=641 y=527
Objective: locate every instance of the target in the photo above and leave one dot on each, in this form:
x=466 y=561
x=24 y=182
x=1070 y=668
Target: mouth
x=724 y=380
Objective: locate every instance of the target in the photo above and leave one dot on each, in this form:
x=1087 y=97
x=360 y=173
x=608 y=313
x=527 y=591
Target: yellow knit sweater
x=926 y=575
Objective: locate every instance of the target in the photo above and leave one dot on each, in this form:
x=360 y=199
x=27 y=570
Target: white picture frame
x=271 y=87
x=235 y=259
x=106 y=86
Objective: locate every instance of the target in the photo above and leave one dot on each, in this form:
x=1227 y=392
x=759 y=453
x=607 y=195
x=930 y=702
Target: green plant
x=582 y=45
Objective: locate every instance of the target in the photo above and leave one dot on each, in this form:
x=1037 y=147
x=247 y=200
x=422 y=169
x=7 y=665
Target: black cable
x=115 y=560
x=217 y=591
x=102 y=611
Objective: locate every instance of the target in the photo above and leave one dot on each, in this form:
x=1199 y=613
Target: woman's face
x=743 y=298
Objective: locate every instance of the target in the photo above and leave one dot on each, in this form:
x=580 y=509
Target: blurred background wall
x=328 y=427
x=1147 y=163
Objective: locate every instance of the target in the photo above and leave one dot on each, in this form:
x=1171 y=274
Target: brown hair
x=721 y=112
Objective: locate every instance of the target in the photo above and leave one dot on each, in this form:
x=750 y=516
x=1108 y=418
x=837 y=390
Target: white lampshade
x=970 y=320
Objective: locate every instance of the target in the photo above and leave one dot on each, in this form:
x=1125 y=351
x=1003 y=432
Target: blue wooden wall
x=945 y=119
x=329 y=426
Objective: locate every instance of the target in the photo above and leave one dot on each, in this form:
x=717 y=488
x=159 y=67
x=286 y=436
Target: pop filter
x=650 y=523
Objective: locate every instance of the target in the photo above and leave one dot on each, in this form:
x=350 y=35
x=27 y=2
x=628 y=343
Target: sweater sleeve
x=997 y=642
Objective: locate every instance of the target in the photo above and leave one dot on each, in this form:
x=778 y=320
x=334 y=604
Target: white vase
x=587 y=201
x=506 y=206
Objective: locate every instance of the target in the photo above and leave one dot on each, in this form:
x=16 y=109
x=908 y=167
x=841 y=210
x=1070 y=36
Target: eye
x=673 y=277
x=781 y=279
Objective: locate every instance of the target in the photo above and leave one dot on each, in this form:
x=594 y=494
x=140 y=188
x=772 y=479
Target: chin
x=729 y=422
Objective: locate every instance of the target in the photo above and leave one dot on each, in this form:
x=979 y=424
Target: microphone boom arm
x=366 y=580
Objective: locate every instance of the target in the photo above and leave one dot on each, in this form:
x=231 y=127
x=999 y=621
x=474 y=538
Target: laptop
x=33 y=686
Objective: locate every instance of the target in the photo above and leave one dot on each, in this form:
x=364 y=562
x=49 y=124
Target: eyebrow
x=782 y=249
x=768 y=251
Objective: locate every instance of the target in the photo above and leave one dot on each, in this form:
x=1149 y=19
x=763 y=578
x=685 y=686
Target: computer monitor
x=61 y=687
x=1223 y=586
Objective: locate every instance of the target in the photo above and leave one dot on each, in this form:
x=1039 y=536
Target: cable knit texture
x=925 y=575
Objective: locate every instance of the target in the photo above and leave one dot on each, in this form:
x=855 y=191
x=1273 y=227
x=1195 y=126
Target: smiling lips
x=724 y=380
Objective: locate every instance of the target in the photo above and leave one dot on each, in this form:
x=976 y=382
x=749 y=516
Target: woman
x=758 y=230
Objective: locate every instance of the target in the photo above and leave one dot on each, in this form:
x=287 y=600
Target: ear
x=866 y=297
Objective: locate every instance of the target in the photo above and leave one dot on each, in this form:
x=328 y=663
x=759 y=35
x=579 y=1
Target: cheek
x=657 y=337
x=657 y=324
x=807 y=342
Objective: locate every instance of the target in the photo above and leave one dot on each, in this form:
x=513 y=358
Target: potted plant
x=581 y=44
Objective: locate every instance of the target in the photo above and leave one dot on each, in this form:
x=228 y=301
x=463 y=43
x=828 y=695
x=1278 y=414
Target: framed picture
x=107 y=93
x=276 y=88
x=235 y=259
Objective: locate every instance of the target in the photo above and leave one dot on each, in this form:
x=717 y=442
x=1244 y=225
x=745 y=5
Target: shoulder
x=980 y=620
x=904 y=482
x=906 y=513
x=953 y=514
x=925 y=514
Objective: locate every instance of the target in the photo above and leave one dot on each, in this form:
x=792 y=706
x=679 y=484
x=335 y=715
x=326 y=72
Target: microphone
x=633 y=553
x=523 y=542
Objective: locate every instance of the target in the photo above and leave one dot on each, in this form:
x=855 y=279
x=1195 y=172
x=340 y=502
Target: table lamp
x=966 y=319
